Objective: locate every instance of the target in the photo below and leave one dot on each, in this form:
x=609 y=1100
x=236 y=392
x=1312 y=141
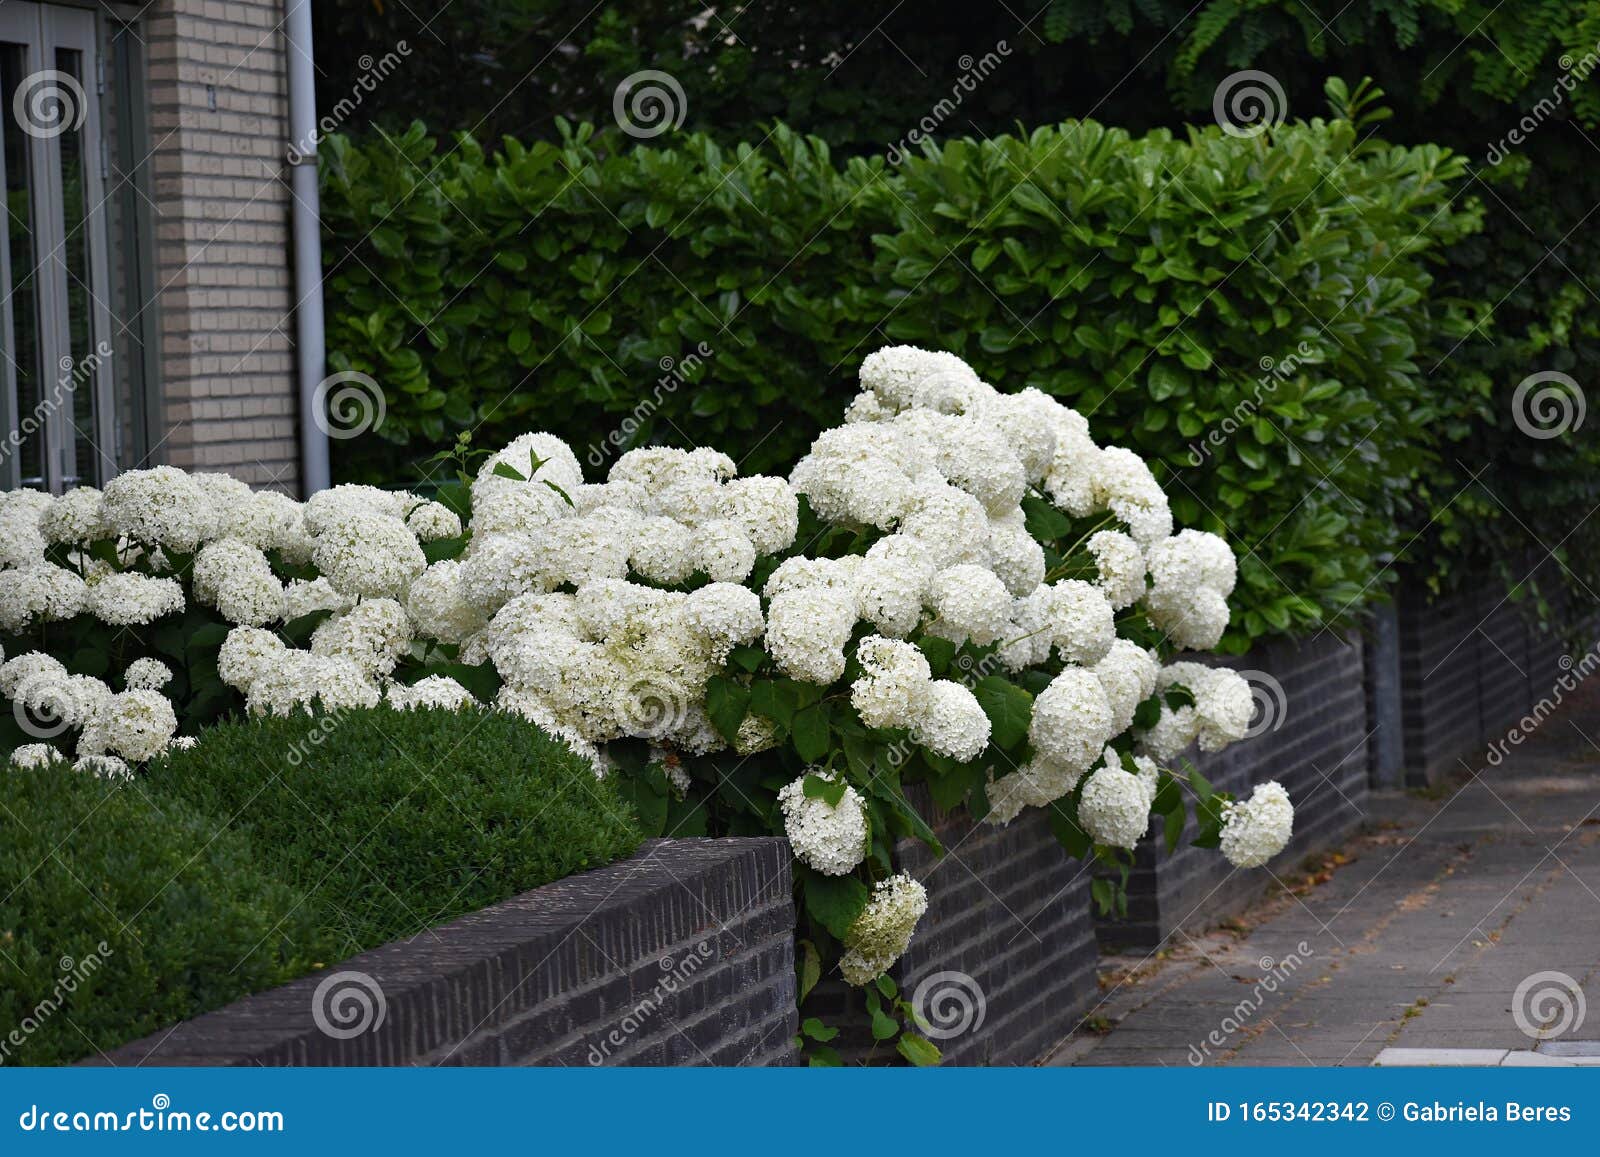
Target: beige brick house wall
x=218 y=100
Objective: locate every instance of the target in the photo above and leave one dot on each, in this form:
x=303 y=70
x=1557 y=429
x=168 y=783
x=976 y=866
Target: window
x=57 y=345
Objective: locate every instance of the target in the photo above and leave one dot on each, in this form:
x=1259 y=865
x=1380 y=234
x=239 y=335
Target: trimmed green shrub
x=394 y=821
x=123 y=912
x=273 y=848
x=1251 y=315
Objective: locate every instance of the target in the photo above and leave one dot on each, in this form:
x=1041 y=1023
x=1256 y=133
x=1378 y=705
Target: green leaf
x=824 y=1057
x=1172 y=828
x=938 y=651
x=1009 y=708
x=726 y=702
x=887 y=986
x=919 y=1050
x=817 y=1031
x=810 y=968
x=747 y=657
x=831 y=790
x=1044 y=521
x=810 y=733
x=884 y=1026
x=834 y=901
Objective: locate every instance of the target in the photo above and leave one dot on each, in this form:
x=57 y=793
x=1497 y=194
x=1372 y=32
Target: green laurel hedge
x=1253 y=315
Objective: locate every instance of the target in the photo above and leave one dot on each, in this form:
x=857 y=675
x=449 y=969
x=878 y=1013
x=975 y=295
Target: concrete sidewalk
x=1416 y=935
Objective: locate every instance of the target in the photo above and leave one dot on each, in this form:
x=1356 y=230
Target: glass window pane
x=23 y=302
x=84 y=463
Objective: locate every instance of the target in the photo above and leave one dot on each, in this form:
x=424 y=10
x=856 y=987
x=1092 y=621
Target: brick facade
x=682 y=955
x=218 y=117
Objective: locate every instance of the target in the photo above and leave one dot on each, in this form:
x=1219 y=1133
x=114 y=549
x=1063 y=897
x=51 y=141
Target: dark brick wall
x=1473 y=664
x=682 y=955
x=1316 y=746
x=1008 y=910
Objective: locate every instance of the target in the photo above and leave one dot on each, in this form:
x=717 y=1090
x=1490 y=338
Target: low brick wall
x=682 y=955
x=1315 y=745
x=1007 y=947
x=1473 y=664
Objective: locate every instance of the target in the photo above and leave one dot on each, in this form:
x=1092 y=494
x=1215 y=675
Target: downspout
x=309 y=337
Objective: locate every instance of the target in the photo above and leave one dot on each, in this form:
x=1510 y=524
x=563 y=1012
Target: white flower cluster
x=830 y=838
x=1255 y=830
x=128 y=727
x=879 y=936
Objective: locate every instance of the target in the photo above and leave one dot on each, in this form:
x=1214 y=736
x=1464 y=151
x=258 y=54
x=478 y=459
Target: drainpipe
x=309 y=338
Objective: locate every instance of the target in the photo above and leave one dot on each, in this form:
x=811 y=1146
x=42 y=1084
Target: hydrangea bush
x=955 y=588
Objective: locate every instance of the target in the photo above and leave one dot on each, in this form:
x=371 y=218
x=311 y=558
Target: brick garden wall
x=218 y=100
x=1315 y=745
x=682 y=955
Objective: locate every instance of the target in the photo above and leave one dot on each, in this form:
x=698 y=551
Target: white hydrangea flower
x=950 y=721
x=880 y=935
x=725 y=615
x=1072 y=720
x=766 y=508
x=302 y=597
x=127 y=599
x=894 y=681
x=26 y=668
x=559 y=465
x=373 y=635
x=74 y=519
x=1114 y=808
x=1171 y=734
x=269 y=520
x=499 y=568
x=1070 y=479
x=722 y=550
x=38 y=591
x=1194 y=558
x=1224 y=705
x=146 y=675
x=515 y=508
x=1014 y=554
x=1120 y=564
x=237 y=579
x=893 y=373
x=104 y=767
x=1128 y=674
x=1038 y=783
x=1193 y=619
x=161 y=506
x=368 y=555
x=438 y=608
x=1123 y=484
x=807 y=631
x=435 y=691
x=756 y=733
x=431 y=521
x=950 y=524
x=1259 y=828
x=1082 y=622
x=826 y=838
x=301 y=680
x=1028 y=422
x=137 y=725
x=33 y=756
x=246 y=653
x=972 y=604
x=662 y=550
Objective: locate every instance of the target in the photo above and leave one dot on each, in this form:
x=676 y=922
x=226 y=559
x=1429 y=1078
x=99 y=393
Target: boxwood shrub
x=1252 y=315
x=273 y=848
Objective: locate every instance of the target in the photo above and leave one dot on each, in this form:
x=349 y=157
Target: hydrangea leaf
x=1009 y=708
